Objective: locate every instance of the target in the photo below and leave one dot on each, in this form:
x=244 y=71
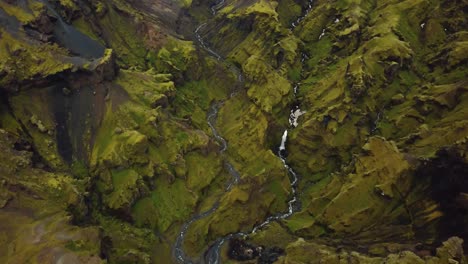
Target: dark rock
x=270 y=255
x=398 y=99
x=391 y=71
x=242 y=251
x=161 y=101
x=448 y=186
x=66 y=91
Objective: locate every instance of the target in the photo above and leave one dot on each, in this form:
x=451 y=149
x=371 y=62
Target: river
x=212 y=255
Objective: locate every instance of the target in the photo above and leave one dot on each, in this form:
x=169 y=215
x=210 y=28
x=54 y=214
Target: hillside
x=236 y=131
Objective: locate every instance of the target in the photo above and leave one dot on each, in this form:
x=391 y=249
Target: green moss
x=146 y=87
x=145 y=213
x=130 y=146
x=122 y=36
x=129 y=244
x=83 y=25
x=79 y=169
x=288 y=12
x=175 y=56
x=199 y=175
x=186 y=3
x=268 y=87
x=174 y=202
x=30 y=104
x=69 y=4
x=124 y=189
x=8 y=121
x=22 y=61
x=24 y=16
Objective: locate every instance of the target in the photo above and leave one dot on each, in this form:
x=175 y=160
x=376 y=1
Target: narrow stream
x=299 y=19
x=212 y=255
x=178 y=251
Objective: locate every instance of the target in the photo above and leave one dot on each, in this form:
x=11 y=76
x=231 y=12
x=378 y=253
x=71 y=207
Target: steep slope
x=112 y=149
x=379 y=83
x=111 y=120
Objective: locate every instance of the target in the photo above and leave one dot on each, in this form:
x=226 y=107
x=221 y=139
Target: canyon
x=233 y=131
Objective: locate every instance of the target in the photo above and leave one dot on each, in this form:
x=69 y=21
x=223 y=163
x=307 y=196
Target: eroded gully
x=212 y=255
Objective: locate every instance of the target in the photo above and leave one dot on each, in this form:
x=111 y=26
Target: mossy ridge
x=22 y=61
x=38 y=119
x=129 y=134
x=37 y=201
x=390 y=84
x=199 y=176
x=124 y=243
x=264 y=187
x=122 y=36
x=304 y=251
x=124 y=171
x=26 y=15
x=160 y=153
x=288 y=11
x=175 y=56
x=258 y=42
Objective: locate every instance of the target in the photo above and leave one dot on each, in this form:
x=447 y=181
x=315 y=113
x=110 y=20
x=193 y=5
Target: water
x=282 y=147
x=212 y=255
x=203 y=44
x=179 y=254
x=299 y=19
x=72 y=39
x=296 y=112
x=178 y=251
x=217 y=6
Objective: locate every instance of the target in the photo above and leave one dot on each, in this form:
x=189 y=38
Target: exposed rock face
x=35 y=225
x=242 y=251
x=106 y=152
x=305 y=252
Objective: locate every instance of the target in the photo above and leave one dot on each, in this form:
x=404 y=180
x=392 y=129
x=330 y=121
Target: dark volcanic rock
x=242 y=251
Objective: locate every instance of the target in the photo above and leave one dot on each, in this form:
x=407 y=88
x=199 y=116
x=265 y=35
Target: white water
x=283 y=140
x=299 y=19
x=322 y=34
x=203 y=44
x=294 y=116
x=212 y=255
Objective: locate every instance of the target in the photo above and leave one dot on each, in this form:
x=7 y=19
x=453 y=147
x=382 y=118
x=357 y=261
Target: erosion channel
x=212 y=255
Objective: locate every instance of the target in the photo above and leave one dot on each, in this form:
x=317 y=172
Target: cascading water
x=299 y=19
x=212 y=255
x=203 y=44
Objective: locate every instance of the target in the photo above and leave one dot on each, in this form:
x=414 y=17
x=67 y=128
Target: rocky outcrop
x=308 y=252
x=33 y=210
x=103 y=123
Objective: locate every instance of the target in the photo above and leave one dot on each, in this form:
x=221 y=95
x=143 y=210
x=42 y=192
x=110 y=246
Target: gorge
x=233 y=131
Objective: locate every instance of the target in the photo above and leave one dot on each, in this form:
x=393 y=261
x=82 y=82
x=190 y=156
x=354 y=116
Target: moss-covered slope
x=106 y=149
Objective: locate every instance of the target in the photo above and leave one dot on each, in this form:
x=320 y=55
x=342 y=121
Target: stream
x=212 y=255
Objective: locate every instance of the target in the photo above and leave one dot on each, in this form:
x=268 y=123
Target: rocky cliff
x=150 y=131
